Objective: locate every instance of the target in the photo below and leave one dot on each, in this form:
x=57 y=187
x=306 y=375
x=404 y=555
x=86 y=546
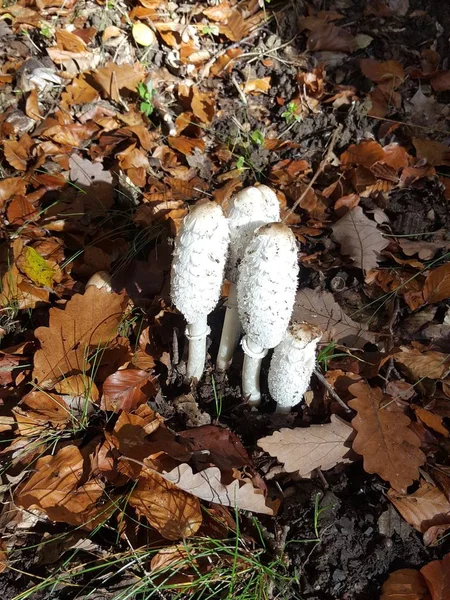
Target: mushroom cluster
x=258 y=254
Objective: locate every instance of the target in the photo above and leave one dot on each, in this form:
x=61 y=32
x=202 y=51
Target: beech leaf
x=405 y=584
x=437 y=576
x=304 y=449
x=389 y=447
x=423 y=363
x=87 y=322
x=321 y=309
x=126 y=390
x=437 y=284
x=423 y=509
x=113 y=78
x=359 y=238
x=207 y=486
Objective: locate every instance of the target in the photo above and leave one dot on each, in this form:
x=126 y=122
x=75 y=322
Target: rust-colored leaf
x=69 y=41
x=436 y=153
x=405 y=584
x=389 y=447
x=437 y=284
x=424 y=363
x=423 y=509
x=379 y=71
x=126 y=390
x=174 y=513
x=38 y=410
x=113 y=79
x=435 y=422
x=437 y=576
x=366 y=153
x=329 y=37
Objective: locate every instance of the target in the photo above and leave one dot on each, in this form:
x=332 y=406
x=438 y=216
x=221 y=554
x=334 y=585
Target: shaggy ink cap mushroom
x=292 y=365
x=249 y=209
x=266 y=294
x=197 y=273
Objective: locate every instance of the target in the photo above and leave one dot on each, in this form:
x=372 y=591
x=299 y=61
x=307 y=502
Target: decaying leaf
x=304 y=449
x=359 y=238
x=423 y=363
x=405 y=584
x=437 y=576
x=321 y=309
x=88 y=322
x=126 y=390
x=379 y=71
x=39 y=270
x=38 y=410
x=112 y=79
x=437 y=284
x=426 y=507
x=389 y=447
x=207 y=486
x=174 y=513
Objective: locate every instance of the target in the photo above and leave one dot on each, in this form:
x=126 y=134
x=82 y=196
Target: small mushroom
x=292 y=365
x=266 y=293
x=100 y=280
x=197 y=273
x=248 y=210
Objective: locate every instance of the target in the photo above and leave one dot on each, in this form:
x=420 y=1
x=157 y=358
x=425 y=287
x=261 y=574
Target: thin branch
x=330 y=390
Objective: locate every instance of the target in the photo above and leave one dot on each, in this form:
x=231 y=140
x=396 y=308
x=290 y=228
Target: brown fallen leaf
x=389 y=447
x=365 y=154
x=437 y=284
x=359 y=238
x=174 y=513
x=379 y=71
x=435 y=422
x=436 y=153
x=88 y=322
x=38 y=410
x=304 y=449
x=437 y=576
x=328 y=37
x=423 y=509
x=321 y=309
x=207 y=486
x=423 y=363
x=113 y=79
x=257 y=86
x=405 y=584
x=126 y=390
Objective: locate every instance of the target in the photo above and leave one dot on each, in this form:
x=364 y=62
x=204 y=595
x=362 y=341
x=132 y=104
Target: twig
x=330 y=390
x=205 y=70
x=323 y=164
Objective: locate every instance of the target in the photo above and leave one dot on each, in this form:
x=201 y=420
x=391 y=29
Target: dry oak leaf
x=87 y=322
x=437 y=576
x=207 y=485
x=113 y=78
x=423 y=509
x=359 y=238
x=405 y=584
x=437 y=284
x=321 y=309
x=304 y=449
x=389 y=447
x=431 y=420
x=423 y=363
x=126 y=390
x=54 y=488
x=174 y=513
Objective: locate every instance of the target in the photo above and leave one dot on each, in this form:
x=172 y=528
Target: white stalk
x=266 y=293
x=292 y=365
x=197 y=274
x=248 y=210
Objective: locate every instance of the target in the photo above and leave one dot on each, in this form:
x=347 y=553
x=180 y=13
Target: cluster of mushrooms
x=258 y=255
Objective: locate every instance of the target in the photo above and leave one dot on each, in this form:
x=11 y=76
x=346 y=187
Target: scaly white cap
x=248 y=210
x=267 y=284
x=292 y=364
x=199 y=261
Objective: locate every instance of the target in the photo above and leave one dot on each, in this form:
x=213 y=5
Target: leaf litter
x=128 y=115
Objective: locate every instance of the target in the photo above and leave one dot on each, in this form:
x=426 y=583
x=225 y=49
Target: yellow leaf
x=142 y=34
x=36 y=267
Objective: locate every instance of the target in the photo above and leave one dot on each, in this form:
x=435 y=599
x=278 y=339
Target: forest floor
x=121 y=482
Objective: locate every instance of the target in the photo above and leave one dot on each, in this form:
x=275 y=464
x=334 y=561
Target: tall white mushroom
x=250 y=208
x=266 y=293
x=197 y=273
x=292 y=365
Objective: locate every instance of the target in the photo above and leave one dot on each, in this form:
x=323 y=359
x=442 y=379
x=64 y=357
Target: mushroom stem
x=231 y=331
x=196 y=333
x=254 y=353
x=283 y=410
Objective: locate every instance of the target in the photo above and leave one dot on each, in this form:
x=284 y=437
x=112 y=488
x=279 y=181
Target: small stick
x=330 y=390
x=323 y=164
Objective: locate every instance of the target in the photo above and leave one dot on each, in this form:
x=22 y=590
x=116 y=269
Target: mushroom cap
x=267 y=284
x=100 y=280
x=199 y=261
x=248 y=210
x=293 y=363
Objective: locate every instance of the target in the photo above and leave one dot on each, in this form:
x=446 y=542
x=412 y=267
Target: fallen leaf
x=431 y=420
x=423 y=363
x=379 y=71
x=38 y=410
x=405 y=584
x=426 y=507
x=88 y=322
x=437 y=576
x=366 y=154
x=321 y=309
x=113 y=79
x=437 y=284
x=304 y=449
x=257 y=86
x=174 y=513
x=389 y=447
x=328 y=37
x=359 y=238
x=126 y=390
x=69 y=41
x=10 y=187
x=39 y=270
x=436 y=154
x=16 y=154
x=441 y=81
x=142 y=34
x=207 y=486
